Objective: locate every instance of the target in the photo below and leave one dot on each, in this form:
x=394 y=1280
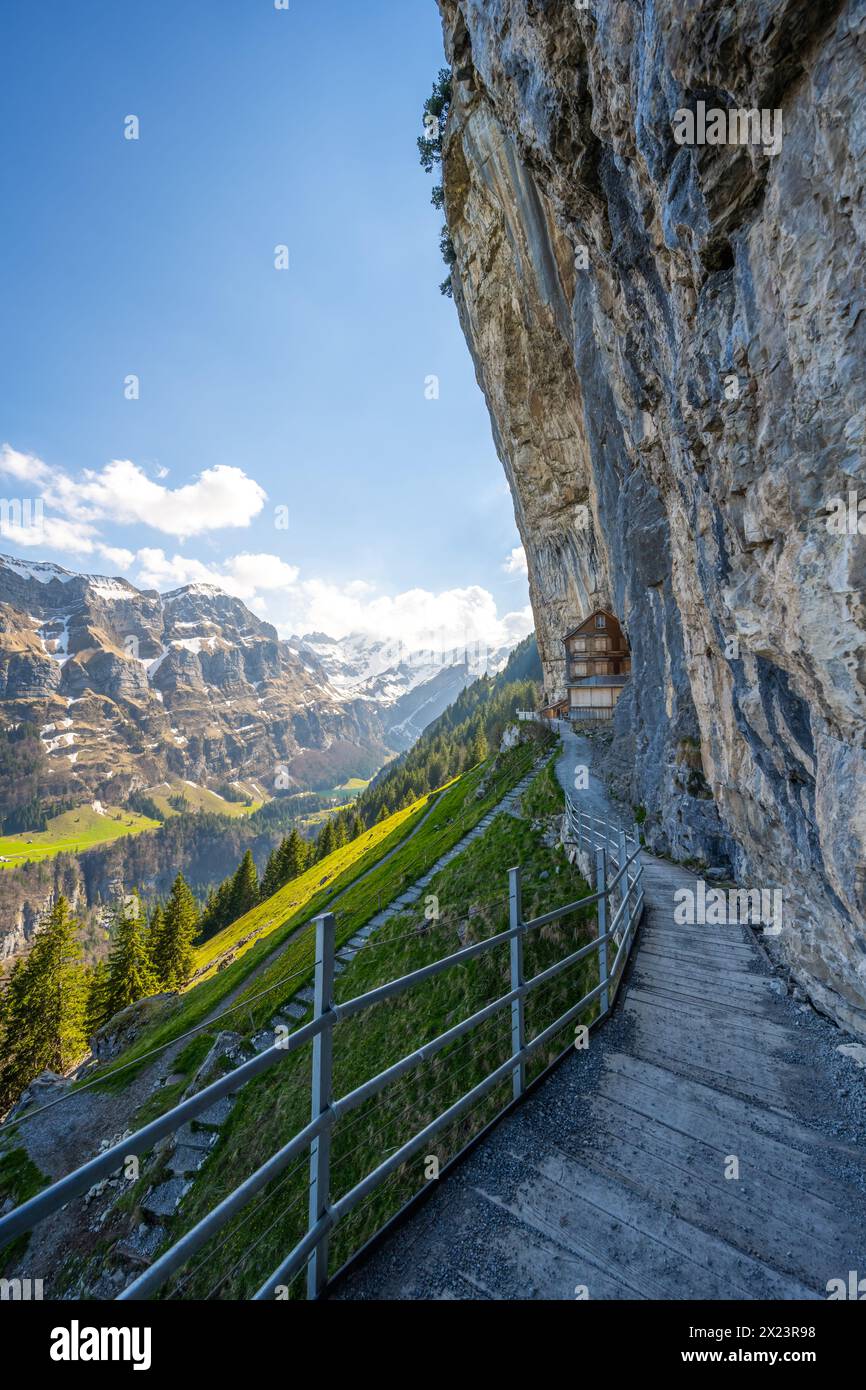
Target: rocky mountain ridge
x=132 y=688
x=129 y=688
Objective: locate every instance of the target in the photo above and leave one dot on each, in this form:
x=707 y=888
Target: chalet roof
x=588 y=619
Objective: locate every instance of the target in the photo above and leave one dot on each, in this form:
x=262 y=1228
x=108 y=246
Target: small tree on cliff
x=434 y=118
x=326 y=840
x=288 y=861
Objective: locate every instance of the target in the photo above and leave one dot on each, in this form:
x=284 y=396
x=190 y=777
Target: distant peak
x=207 y=590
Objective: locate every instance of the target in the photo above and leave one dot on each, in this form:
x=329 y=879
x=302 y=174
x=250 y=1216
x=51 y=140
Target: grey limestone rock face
x=670 y=339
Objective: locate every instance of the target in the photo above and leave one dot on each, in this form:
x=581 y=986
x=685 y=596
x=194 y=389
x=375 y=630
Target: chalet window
x=599 y=622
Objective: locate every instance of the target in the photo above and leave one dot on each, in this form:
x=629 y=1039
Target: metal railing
x=618 y=896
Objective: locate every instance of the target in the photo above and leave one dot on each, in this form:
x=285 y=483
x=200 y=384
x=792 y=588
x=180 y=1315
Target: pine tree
x=173 y=953
x=44 y=1006
x=271 y=878
x=97 y=1011
x=245 y=887
x=325 y=842
x=156 y=940
x=356 y=826
x=130 y=972
x=298 y=854
x=480 y=750
x=217 y=913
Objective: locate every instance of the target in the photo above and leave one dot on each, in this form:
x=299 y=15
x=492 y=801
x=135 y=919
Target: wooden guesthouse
x=597 y=666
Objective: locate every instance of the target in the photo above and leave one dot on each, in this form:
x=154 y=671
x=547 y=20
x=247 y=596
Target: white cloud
x=26 y=468
x=515 y=562
x=242 y=575
x=116 y=555
x=254 y=572
x=157 y=571
x=273 y=589
x=51 y=532
x=220 y=498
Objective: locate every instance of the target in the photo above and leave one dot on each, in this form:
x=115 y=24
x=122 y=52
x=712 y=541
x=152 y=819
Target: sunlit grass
x=79 y=829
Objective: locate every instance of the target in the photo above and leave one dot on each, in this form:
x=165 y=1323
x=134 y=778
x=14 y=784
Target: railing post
x=601 y=889
x=323 y=1053
x=518 y=1031
x=637 y=866
x=625 y=881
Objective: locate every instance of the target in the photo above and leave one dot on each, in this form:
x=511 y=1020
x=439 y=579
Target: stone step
x=165 y=1199
x=195 y=1138
x=294 y=1010
x=218 y=1113
x=186 y=1159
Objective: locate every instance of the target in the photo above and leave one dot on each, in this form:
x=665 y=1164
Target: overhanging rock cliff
x=671 y=340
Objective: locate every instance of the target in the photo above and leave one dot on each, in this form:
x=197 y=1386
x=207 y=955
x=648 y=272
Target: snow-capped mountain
x=412 y=688
x=130 y=687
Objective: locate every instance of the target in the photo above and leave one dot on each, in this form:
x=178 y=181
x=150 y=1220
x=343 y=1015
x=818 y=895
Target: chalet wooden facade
x=597 y=666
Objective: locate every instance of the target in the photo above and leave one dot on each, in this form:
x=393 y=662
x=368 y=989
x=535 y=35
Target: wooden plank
x=730 y=968
x=540 y=1266
x=746 y=1022
x=746 y=1083
x=654 y=1247
x=730 y=1110
x=733 y=1038
x=816 y=1220
x=652 y=968
x=697 y=939
x=721 y=1209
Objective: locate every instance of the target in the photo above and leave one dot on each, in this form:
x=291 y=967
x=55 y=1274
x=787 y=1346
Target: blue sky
x=259 y=389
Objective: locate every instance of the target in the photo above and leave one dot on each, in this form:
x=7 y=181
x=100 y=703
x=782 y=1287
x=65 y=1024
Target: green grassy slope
x=73 y=831
x=200 y=799
x=457 y=810
x=472 y=893
x=297 y=895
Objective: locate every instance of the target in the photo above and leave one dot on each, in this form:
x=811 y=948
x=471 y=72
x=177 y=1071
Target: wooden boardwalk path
x=611 y=1177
